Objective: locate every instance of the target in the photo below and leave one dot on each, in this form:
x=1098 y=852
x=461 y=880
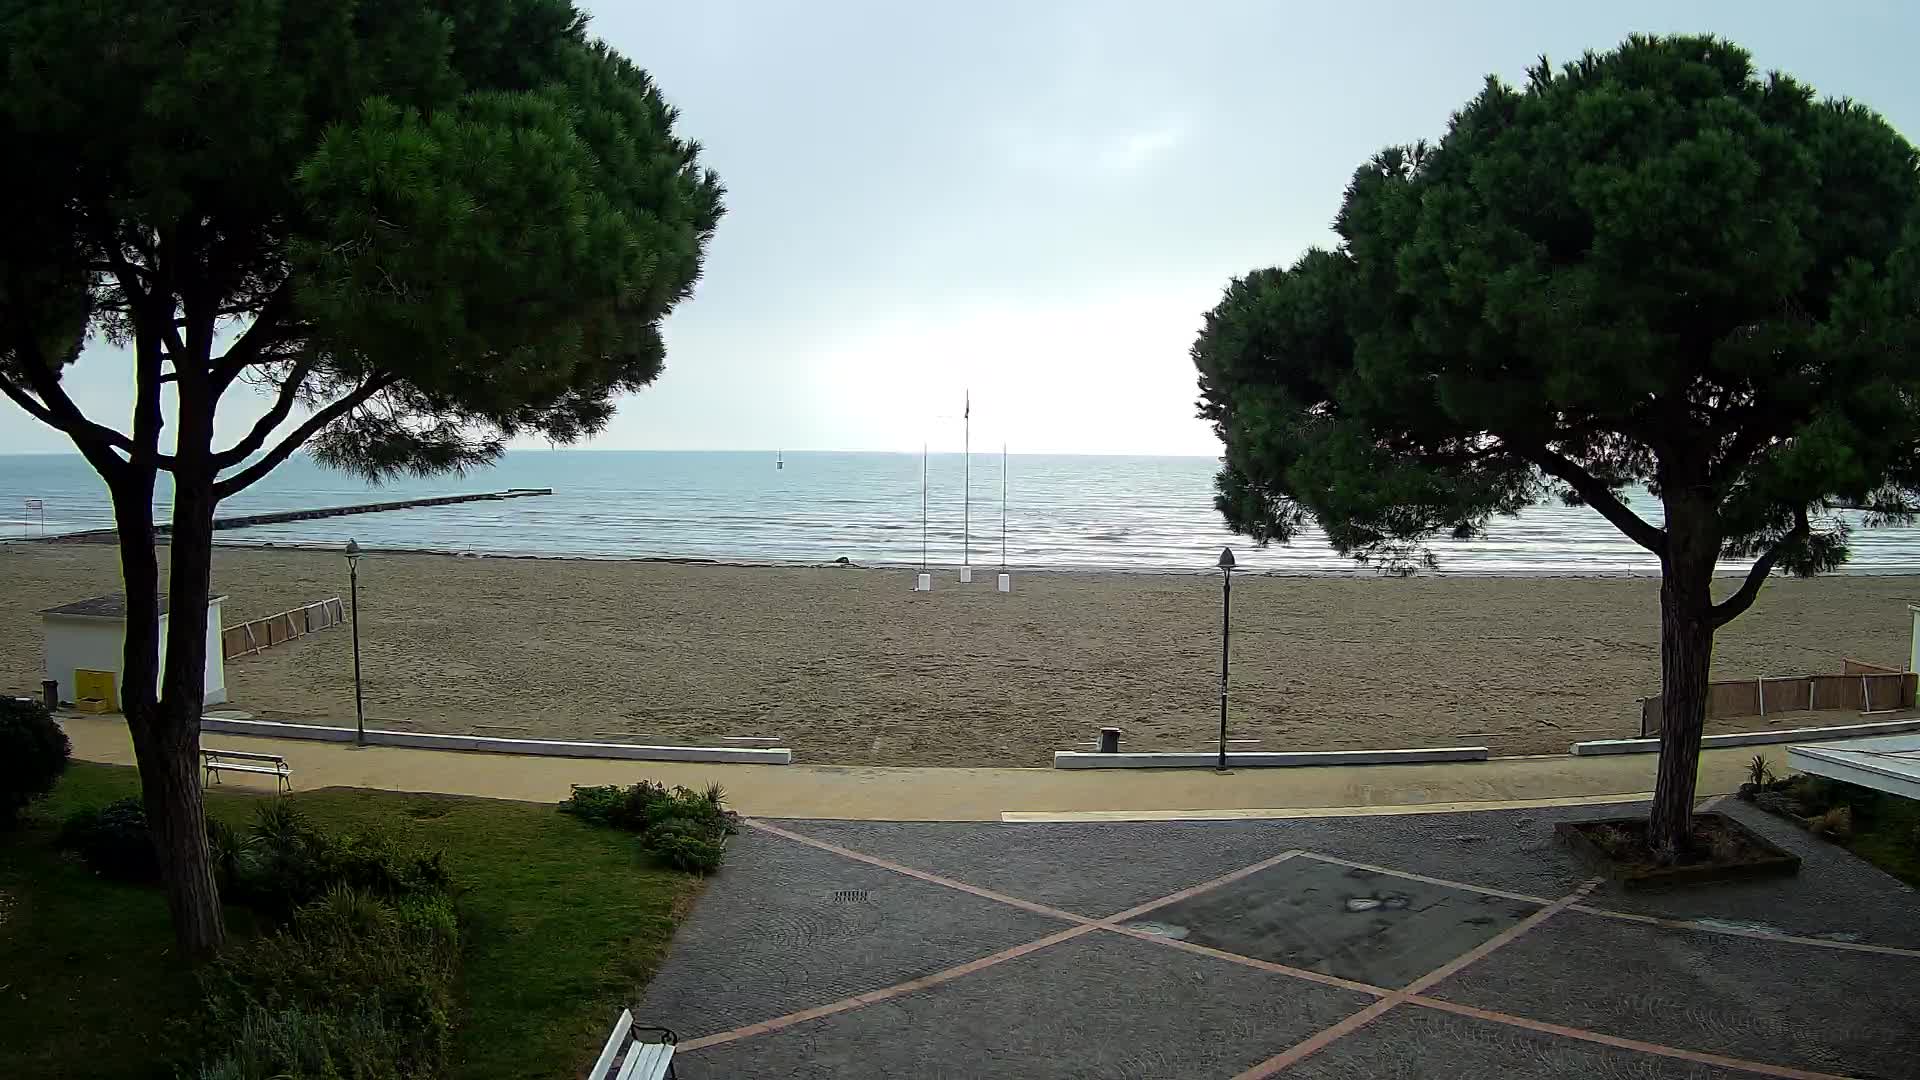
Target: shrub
x=1760 y=771
x=678 y=827
x=685 y=845
x=1835 y=823
x=285 y=862
x=113 y=840
x=357 y=985
x=33 y=754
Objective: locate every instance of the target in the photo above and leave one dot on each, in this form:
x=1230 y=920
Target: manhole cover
x=852 y=896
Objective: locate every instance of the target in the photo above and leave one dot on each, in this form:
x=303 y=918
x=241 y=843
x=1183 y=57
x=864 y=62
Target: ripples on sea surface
x=1133 y=513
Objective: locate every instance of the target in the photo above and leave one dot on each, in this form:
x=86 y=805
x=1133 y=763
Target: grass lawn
x=1886 y=831
x=563 y=925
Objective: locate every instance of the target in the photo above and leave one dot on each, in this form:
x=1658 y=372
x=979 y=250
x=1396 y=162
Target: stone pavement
x=1457 y=945
x=945 y=794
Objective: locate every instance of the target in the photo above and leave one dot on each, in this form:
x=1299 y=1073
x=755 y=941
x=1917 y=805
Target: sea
x=1152 y=514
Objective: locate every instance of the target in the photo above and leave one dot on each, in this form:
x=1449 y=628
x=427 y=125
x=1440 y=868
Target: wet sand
x=849 y=666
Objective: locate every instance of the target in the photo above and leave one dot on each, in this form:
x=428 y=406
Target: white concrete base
x=1890 y=765
x=1257 y=759
x=923 y=583
x=966 y=575
x=1751 y=738
x=484 y=744
x=1005 y=583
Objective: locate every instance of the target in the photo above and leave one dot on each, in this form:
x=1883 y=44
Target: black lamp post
x=359 y=708
x=1226 y=635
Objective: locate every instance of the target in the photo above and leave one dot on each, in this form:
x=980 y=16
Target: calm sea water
x=1135 y=513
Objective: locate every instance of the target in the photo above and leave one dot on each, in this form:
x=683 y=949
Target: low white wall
x=538 y=747
x=1257 y=759
x=1750 y=738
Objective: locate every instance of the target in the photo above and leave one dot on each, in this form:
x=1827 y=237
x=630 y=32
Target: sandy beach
x=849 y=666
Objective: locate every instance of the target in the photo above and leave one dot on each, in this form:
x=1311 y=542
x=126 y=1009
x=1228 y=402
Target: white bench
x=637 y=1060
x=245 y=761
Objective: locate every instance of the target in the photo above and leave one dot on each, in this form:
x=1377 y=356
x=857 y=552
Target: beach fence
x=262 y=634
x=1860 y=687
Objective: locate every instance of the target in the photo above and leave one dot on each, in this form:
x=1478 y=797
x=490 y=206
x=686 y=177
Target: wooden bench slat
x=250 y=755
x=614 y=1042
x=264 y=770
x=647 y=1061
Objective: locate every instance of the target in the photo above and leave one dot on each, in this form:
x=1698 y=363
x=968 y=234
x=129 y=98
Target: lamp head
x=1226 y=559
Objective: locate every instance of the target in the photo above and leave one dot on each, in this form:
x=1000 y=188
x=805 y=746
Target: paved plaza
x=1444 y=946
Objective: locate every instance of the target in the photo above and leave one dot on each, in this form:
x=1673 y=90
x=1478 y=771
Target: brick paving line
x=1319 y=1041
x=1388 y=998
x=1083 y=925
x=1603 y=1039
x=1626 y=916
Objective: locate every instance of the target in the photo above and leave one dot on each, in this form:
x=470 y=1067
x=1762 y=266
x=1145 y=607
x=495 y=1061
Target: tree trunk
x=175 y=808
x=1686 y=658
x=166 y=736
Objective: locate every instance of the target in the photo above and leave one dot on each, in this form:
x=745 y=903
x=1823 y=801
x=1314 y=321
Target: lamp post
x=359 y=708
x=1226 y=635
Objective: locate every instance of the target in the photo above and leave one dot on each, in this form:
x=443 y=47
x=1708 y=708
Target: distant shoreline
x=95 y=537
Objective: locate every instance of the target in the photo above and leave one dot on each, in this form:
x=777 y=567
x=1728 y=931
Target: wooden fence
x=261 y=634
x=1861 y=687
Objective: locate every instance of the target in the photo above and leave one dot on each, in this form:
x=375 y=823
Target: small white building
x=90 y=636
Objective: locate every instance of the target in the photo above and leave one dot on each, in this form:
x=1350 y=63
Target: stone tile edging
x=1257 y=759
x=486 y=744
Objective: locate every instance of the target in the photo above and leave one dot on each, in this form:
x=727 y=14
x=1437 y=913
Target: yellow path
x=947 y=794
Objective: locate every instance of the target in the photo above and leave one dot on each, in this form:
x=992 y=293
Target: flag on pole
x=966 y=413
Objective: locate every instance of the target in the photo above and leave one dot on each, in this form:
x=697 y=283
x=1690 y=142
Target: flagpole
x=923 y=506
x=966 y=475
x=1003 y=506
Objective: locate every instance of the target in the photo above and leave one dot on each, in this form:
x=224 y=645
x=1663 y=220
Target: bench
x=245 y=761
x=637 y=1060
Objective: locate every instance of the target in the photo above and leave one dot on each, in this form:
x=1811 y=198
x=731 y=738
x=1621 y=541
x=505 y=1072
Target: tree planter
x=1726 y=851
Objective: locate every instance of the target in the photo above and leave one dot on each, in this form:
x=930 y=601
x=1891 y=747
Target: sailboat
x=779 y=460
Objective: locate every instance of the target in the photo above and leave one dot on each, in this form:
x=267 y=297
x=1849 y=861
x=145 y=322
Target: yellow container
x=95 y=687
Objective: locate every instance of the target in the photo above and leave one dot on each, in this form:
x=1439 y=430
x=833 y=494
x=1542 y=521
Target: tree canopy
x=1653 y=266
x=428 y=226
x=419 y=227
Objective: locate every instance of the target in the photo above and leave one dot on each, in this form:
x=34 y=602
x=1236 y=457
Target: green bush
x=678 y=827
x=357 y=985
x=284 y=862
x=33 y=754
x=113 y=840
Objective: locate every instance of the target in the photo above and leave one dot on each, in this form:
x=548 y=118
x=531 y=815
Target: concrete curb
x=485 y=744
x=1750 y=738
x=1260 y=759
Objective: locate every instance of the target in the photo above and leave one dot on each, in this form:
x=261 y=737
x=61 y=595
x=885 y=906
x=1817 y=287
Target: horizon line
x=749 y=450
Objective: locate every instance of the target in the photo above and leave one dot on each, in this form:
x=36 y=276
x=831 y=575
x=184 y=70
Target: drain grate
x=852 y=896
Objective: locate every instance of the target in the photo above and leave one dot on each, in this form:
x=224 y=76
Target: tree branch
x=246 y=477
x=1731 y=608
x=57 y=411
x=266 y=327
x=1597 y=495
x=282 y=408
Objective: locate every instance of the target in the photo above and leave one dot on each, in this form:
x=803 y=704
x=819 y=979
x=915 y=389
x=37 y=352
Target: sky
x=1035 y=203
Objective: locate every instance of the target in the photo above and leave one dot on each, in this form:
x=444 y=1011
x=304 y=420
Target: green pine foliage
x=1653 y=267
x=420 y=227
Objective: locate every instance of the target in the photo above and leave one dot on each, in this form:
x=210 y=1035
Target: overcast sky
x=1037 y=201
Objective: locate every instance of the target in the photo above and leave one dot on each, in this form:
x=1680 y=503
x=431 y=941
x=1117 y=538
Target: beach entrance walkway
x=1436 y=945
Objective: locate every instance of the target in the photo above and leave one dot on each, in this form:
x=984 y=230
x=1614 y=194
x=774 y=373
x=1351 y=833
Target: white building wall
x=95 y=644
